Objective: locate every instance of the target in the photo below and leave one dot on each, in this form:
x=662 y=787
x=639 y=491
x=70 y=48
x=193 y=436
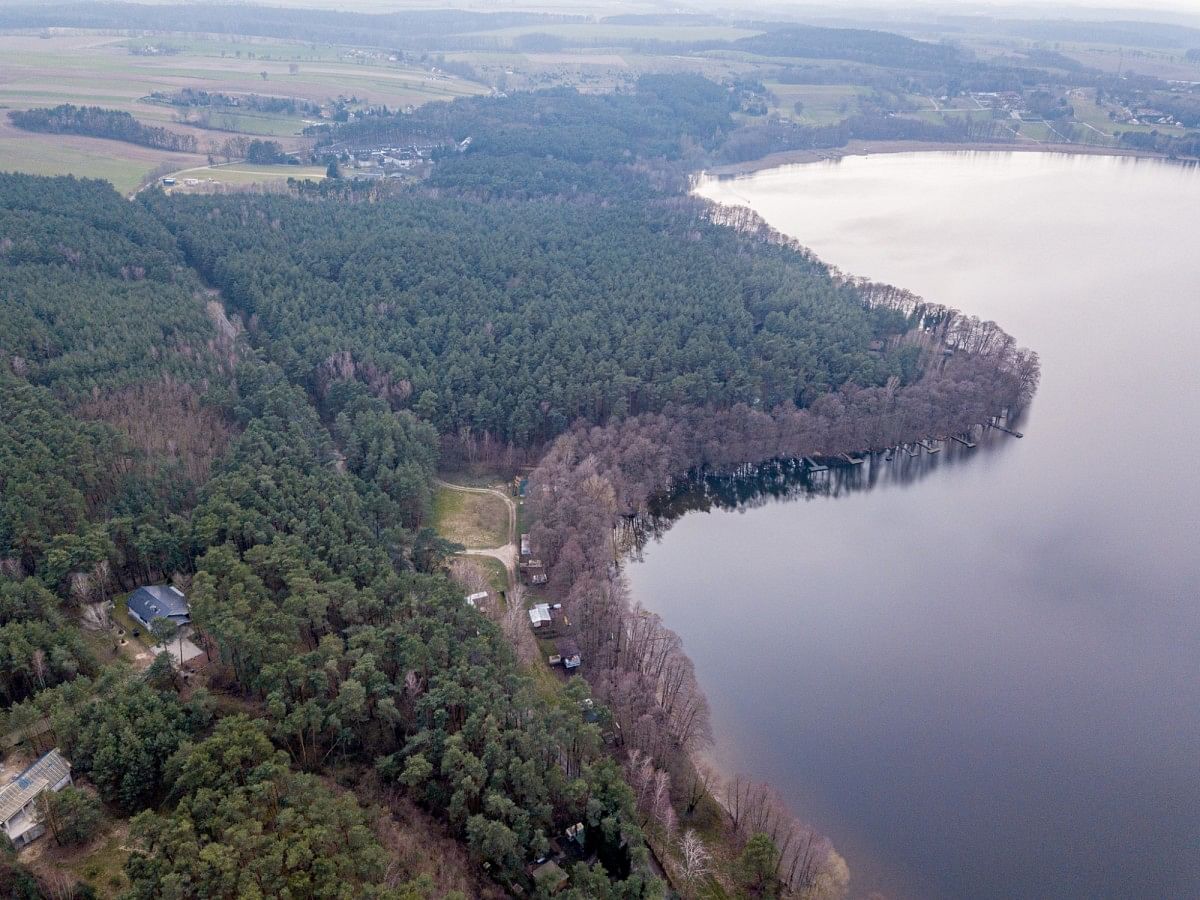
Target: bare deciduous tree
x=695 y=861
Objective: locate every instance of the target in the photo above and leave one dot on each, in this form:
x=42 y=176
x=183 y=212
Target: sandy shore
x=865 y=148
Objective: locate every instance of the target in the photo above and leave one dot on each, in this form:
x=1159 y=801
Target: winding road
x=506 y=554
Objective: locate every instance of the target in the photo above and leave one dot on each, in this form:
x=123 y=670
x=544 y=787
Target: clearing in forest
x=477 y=520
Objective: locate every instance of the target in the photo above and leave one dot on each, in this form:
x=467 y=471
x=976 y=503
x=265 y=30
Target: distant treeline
x=562 y=142
x=257 y=102
x=409 y=28
x=657 y=119
x=756 y=141
x=1187 y=145
x=94 y=121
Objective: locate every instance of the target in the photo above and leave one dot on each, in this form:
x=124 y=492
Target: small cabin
x=568 y=651
x=525 y=550
x=539 y=615
x=475 y=599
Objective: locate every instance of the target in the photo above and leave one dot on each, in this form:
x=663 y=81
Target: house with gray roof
x=159 y=601
x=19 y=813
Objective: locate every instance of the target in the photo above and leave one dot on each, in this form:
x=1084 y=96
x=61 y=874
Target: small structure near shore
x=568 y=652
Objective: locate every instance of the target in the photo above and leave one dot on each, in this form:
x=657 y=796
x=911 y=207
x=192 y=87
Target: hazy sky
x=1181 y=11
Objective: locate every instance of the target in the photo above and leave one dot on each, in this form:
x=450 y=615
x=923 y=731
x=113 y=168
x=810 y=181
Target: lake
x=980 y=674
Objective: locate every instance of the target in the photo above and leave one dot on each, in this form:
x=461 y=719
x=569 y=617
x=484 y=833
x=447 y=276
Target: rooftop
x=46 y=772
x=158 y=601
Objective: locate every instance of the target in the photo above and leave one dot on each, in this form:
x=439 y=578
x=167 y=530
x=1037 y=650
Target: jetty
x=910 y=451
x=813 y=465
x=969 y=444
x=851 y=460
x=1005 y=429
x=929 y=446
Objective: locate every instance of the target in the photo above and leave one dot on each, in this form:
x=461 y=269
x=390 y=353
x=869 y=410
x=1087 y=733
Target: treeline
x=406 y=28
x=657 y=119
x=756 y=141
x=95 y=121
x=878 y=48
x=1187 y=145
x=193 y=97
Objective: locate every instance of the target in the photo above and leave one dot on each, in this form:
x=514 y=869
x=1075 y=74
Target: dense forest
x=250 y=396
x=512 y=321
x=294 y=565
x=94 y=121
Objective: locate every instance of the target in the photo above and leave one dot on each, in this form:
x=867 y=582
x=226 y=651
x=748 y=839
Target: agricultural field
x=101 y=70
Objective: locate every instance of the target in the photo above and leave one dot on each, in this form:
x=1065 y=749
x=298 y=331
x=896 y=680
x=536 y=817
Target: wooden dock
x=851 y=460
x=814 y=466
x=928 y=445
x=1006 y=429
x=910 y=451
x=970 y=445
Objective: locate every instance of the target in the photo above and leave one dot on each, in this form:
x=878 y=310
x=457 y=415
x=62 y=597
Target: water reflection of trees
x=790 y=479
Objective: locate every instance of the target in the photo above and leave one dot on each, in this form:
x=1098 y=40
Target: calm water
x=984 y=682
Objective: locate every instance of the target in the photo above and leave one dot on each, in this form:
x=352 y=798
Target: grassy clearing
x=477 y=476
x=477 y=521
x=101 y=863
x=246 y=173
x=491 y=569
x=821 y=104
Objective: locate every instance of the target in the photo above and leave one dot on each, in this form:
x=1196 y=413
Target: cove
x=979 y=674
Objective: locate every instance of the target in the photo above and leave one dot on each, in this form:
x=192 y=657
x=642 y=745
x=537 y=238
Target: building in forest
x=539 y=615
x=568 y=652
x=159 y=601
x=19 y=799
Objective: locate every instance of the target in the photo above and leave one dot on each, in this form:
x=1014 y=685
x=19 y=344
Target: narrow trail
x=506 y=554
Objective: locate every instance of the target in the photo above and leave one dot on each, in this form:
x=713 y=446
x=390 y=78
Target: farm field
x=100 y=70
x=125 y=165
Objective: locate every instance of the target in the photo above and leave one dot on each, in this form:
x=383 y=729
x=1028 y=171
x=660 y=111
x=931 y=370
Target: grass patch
x=477 y=476
x=821 y=104
x=247 y=173
x=101 y=865
x=491 y=569
x=477 y=521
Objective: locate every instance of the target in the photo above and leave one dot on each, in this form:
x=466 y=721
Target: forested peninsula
x=250 y=395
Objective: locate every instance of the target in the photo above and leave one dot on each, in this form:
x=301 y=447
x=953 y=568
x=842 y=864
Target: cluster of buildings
x=389 y=162
x=548 y=620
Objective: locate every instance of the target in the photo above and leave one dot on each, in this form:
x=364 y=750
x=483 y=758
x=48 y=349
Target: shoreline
x=866 y=148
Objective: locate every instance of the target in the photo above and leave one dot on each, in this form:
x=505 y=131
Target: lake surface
x=981 y=677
